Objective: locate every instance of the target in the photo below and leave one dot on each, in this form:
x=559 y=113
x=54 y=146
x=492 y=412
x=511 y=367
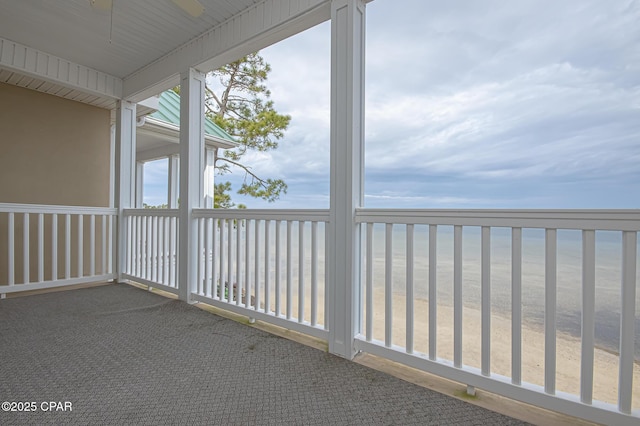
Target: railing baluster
x=388 y=285
x=314 y=273
x=80 y=245
x=267 y=263
x=160 y=250
x=138 y=248
x=130 y=223
x=327 y=244
x=173 y=236
x=149 y=258
x=11 y=255
x=238 y=295
x=92 y=245
x=301 y=282
x=166 y=256
x=25 y=248
x=202 y=256
x=289 y=270
x=207 y=257
x=142 y=231
x=486 y=300
x=588 y=314
x=137 y=260
x=131 y=233
x=40 y=247
x=54 y=247
x=103 y=247
x=369 y=282
x=550 y=311
x=409 y=288
x=278 y=268
x=457 y=296
x=627 y=320
x=110 y=246
x=230 y=260
x=257 y=264
x=433 y=314
x=215 y=283
x=143 y=247
x=247 y=261
x=224 y=286
x=154 y=249
x=516 y=305
x=177 y=254
x=67 y=246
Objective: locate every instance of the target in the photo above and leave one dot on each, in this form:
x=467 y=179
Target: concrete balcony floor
x=123 y=355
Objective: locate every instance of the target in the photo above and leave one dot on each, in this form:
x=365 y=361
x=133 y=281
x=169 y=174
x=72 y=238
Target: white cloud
x=469 y=103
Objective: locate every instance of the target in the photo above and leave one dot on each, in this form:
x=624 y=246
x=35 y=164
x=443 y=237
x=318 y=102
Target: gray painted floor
x=121 y=355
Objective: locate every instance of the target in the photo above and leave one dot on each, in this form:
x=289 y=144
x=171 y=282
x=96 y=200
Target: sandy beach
x=605 y=386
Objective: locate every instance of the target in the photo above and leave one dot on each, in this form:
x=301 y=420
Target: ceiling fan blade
x=102 y=4
x=192 y=7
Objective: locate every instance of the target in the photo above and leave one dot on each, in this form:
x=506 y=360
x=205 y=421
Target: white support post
x=139 y=184
x=209 y=168
x=174 y=181
x=191 y=176
x=124 y=174
x=347 y=159
x=112 y=167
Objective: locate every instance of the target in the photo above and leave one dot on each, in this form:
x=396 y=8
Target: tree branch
x=247 y=170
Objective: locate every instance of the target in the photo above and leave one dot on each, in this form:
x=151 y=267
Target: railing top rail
x=611 y=220
x=319 y=215
x=151 y=212
x=51 y=209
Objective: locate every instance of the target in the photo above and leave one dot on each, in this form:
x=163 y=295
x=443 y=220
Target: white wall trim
x=37 y=64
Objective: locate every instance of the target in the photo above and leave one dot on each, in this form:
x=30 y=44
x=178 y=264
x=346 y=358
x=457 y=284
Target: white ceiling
x=142 y=31
x=138 y=46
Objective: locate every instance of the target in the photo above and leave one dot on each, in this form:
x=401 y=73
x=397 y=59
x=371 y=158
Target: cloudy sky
x=469 y=104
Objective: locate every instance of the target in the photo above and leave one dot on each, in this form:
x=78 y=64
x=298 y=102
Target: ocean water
x=569 y=272
x=569 y=275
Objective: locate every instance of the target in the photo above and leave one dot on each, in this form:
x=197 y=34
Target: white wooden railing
x=625 y=224
x=267 y=264
x=271 y=265
x=51 y=246
x=152 y=241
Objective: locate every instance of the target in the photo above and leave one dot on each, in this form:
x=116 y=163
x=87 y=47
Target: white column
x=209 y=168
x=174 y=181
x=112 y=167
x=191 y=175
x=139 y=184
x=347 y=159
x=125 y=167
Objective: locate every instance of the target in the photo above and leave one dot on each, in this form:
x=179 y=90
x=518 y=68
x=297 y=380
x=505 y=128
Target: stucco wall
x=52 y=151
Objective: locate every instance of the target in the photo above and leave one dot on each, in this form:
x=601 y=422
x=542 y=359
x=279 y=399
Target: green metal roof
x=169 y=112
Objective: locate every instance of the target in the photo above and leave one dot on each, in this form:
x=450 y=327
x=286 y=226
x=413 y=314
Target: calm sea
x=569 y=275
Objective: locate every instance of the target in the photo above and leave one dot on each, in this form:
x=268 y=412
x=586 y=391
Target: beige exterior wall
x=52 y=151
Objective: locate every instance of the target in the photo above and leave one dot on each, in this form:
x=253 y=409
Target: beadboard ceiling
x=119 y=41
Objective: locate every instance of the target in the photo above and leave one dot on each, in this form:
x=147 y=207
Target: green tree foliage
x=241 y=105
x=222 y=198
x=149 y=206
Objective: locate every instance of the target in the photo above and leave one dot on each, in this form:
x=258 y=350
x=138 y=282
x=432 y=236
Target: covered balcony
x=71 y=214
